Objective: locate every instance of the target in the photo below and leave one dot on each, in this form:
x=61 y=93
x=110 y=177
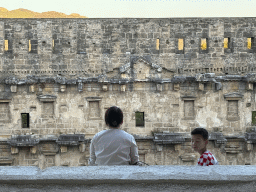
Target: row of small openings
x=180 y=44
x=6 y=45
x=204 y=43
x=139 y=116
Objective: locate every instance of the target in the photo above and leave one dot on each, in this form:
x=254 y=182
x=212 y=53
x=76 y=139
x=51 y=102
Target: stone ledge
x=128 y=174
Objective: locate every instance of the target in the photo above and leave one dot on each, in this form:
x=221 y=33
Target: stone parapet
x=128 y=175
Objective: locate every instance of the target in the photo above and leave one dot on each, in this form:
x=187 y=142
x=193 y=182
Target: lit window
x=157 y=44
x=53 y=43
x=226 y=43
x=203 y=44
x=29 y=46
x=180 y=44
x=250 y=42
x=6 y=45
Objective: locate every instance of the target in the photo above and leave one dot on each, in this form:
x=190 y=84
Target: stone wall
x=58 y=77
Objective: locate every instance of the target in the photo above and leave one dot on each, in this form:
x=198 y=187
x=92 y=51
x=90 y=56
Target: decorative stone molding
x=6 y=161
x=47 y=98
x=168 y=138
x=218 y=139
x=70 y=139
x=23 y=141
x=93 y=98
x=251 y=137
x=233 y=96
x=188 y=157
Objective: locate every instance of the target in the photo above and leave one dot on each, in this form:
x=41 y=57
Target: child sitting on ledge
x=199 y=142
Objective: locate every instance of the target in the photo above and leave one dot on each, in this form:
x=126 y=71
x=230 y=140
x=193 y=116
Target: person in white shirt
x=113 y=146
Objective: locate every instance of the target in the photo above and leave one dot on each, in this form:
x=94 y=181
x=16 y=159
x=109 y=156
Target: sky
x=139 y=8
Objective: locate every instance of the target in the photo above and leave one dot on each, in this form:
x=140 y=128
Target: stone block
x=33 y=149
x=176 y=86
x=104 y=87
x=249 y=146
x=201 y=86
x=14 y=88
x=63 y=149
x=63 y=88
x=159 y=147
x=32 y=88
x=123 y=88
x=14 y=150
x=82 y=148
x=159 y=87
x=249 y=86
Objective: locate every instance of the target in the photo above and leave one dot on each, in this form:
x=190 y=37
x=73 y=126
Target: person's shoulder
x=126 y=134
x=99 y=133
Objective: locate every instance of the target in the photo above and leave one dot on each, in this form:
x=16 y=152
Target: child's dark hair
x=200 y=131
x=113 y=116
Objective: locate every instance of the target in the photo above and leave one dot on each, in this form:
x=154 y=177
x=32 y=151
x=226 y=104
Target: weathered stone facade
x=58 y=76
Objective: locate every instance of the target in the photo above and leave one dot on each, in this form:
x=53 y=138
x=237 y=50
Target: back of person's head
x=114 y=116
x=200 y=131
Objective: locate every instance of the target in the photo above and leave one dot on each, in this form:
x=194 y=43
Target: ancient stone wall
x=58 y=77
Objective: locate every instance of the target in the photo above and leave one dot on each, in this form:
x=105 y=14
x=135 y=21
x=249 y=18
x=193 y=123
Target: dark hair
x=200 y=131
x=113 y=116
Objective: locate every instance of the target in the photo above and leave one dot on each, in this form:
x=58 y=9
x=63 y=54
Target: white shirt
x=113 y=147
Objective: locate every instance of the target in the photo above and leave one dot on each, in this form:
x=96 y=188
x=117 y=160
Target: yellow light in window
x=180 y=44
x=53 y=43
x=29 y=45
x=157 y=44
x=203 y=44
x=225 y=43
x=6 y=45
x=249 y=43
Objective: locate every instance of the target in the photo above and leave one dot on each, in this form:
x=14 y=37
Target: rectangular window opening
x=53 y=44
x=29 y=46
x=139 y=116
x=253 y=117
x=6 y=45
x=227 y=43
x=94 y=109
x=189 y=108
x=250 y=42
x=25 y=120
x=157 y=44
x=180 y=44
x=232 y=108
x=204 y=43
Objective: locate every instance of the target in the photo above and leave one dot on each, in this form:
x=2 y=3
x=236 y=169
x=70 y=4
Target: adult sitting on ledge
x=113 y=146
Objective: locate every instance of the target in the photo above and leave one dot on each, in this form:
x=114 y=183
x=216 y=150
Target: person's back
x=113 y=146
